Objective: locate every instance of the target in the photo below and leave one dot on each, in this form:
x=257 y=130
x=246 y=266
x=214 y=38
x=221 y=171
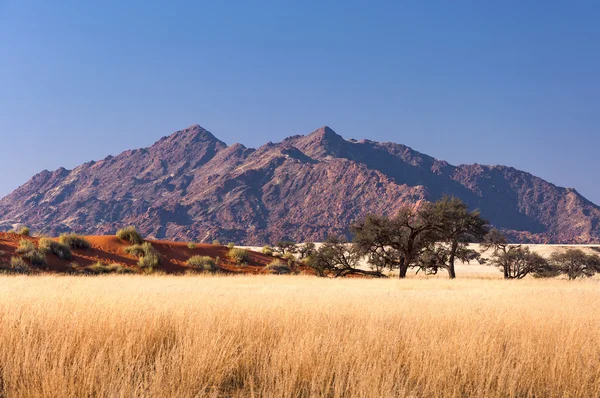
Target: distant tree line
x=429 y=239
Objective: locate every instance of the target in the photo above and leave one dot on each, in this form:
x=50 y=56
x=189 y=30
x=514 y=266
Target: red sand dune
x=110 y=250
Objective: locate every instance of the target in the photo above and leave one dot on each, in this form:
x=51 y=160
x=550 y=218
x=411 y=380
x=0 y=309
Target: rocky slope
x=191 y=186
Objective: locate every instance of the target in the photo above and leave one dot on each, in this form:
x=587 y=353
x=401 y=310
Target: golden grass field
x=298 y=336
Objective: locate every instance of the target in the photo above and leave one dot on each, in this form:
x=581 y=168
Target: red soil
x=110 y=250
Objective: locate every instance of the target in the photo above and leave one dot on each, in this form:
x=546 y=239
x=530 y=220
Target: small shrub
x=191 y=245
x=216 y=242
x=289 y=256
x=131 y=235
x=35 y=256
x=96 y=269
x=61 y=251
x=147 y=255
x=149 y=261
x=116 y=269
x=239 y=256
x=73 y=268
x=230 y=245
x=25 y=231
x=279 y=268
x=140 y=250
x=120 y=269
x=17 y=266
x=100 y=268
x=25 y=246
x=18 y=262
x=268 y=250
x=203 y=263
x=75 y=241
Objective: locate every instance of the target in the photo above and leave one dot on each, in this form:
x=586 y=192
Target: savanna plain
x=298 y=336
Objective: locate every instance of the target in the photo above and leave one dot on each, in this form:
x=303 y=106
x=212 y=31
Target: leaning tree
x=515 y=261
x=337 y=257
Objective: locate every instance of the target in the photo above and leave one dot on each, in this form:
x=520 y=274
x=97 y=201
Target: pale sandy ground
x=474 y=268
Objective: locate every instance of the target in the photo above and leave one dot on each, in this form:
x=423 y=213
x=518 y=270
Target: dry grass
x=297 y=336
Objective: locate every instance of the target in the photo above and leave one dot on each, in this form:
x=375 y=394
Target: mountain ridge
x=192 y=186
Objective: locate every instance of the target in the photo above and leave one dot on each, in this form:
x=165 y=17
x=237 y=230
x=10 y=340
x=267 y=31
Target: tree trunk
x=451 y=271
x=506 y=271
x=403 y=268
x=403 y=271
x=355 y=271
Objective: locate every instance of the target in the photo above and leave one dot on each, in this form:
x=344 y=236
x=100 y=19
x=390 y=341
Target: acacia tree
x=437 y=256
x=285 y=247
x=336 y=257
x=454 y=224
x=306 y=250
x=515 y=261
x=392 y=242
x=497 y=242
x=523 y=262
x=575 y=263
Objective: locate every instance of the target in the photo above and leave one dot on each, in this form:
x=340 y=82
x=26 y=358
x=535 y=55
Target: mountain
x=191 y=186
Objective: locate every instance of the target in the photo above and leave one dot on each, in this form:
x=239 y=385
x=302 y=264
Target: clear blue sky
x=515 y=82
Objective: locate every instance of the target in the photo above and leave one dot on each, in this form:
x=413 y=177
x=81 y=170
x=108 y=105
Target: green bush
x=131 y=235
x=140 y=250
x=18 y=262
x=147 y=255
x=239 y=256
x=61 y=251
x=17 y=266
x=203 y=263
x=230 y=245
x=75 y=241
x=216 y=242
x=25 y=231
x=120 y=269
x=149 y=261
x=279 y=268
x=36 y=256
x=100 y=268
x=73 y=268
x=96 y=269
x=268 y=250
x=25 y=246
x=28 y=250
x=191 y=245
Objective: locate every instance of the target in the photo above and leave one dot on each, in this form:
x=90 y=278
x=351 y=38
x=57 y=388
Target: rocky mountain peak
x=195 y=133
x=325 y=133
x=304 y=188
x=323 y=142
